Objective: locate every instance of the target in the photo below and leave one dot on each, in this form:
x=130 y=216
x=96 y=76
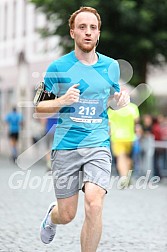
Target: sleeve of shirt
x=51 y=79
x=114 y=75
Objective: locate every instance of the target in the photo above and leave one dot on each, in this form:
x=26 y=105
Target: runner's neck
x=90 y=58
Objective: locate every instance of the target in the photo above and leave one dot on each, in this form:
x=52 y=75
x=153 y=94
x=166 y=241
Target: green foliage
x=149 y=106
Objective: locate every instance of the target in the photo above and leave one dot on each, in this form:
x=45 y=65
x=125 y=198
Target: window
x=6 y=20
x=24 y=17
x=14 y=18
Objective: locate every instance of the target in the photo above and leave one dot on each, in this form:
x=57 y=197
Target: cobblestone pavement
x=134 y=220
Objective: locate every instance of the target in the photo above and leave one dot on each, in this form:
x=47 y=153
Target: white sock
x=50 y=223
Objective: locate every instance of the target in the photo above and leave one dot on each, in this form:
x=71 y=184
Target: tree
x=133 y=30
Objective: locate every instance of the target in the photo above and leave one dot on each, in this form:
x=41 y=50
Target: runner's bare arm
x=53 y=106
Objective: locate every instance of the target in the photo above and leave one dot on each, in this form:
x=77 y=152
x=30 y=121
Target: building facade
x=24 y=56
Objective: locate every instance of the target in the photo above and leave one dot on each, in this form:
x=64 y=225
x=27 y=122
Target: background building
x=24 y=56
x=157 y=79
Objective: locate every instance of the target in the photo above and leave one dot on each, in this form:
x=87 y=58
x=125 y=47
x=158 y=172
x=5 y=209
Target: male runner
x=82 y=82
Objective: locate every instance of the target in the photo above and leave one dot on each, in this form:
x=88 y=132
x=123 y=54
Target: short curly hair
x=84 y=9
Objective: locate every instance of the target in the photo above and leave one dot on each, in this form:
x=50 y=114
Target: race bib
x=87 y=111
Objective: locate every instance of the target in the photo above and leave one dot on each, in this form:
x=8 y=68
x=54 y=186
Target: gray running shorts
x=72 y=168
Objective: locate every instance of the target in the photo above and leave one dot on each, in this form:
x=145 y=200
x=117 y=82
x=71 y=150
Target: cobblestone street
x=134 y=220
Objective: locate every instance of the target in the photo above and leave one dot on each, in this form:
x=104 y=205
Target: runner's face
x=85 y=32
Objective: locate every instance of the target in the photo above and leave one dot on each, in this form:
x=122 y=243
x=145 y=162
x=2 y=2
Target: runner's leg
x=65 y=210
x=92 y=227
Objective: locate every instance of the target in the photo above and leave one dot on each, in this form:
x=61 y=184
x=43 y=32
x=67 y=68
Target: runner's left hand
x=122 y=98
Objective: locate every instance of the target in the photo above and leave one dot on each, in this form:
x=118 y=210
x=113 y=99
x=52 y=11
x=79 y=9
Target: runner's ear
x=97 y=42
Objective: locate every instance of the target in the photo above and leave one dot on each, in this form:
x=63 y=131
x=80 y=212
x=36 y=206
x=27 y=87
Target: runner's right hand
x=72 y=95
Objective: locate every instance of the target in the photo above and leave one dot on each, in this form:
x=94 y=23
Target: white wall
x=157 y=79
x=18 y=24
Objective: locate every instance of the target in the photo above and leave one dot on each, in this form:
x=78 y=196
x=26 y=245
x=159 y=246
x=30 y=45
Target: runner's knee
x=67 y=216
x=93 y=207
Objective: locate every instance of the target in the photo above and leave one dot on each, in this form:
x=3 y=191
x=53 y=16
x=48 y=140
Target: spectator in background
x=156 y=131
x=122 y=126
x=137 y=150
x=14 y=120
x=147 y=146
x=163 y=128
x=147 y=122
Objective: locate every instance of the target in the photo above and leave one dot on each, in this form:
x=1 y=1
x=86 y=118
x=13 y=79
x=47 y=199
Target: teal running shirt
x=83 y=124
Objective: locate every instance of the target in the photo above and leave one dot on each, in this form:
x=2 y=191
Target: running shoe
x=47 y=231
